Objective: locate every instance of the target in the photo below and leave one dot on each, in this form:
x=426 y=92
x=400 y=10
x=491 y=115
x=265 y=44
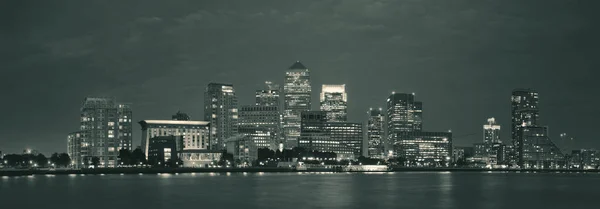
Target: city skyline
x=465 y=76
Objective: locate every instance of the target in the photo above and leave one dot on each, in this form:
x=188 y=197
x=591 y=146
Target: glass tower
x=297 y=90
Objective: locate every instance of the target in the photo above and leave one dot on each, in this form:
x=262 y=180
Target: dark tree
x=55 y=159
x=225 y=157
x=125 y=157
x=138 y=157
x=64 y=160
x=41 y=160
x=95 y=161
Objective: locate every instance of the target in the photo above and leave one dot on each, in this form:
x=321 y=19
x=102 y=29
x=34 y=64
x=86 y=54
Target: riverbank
x=264 y=170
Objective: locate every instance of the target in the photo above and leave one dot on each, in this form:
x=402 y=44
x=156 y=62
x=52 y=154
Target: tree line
x=39 y=160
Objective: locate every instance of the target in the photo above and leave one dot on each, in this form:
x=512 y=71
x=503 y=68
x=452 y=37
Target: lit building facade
x=536 y=150
x=425 y=148
x=524 y=112
x=221 y=110
x=74 y=148
x=262 y=124
x=405 y=135
x=162 y=149
x=345 y=139
x=376 y=133
x=105 y=128
x=491 y=132
x=195 y=134
x=297 y=98
x=268 y=96
x=533 y=148
x=334 y=101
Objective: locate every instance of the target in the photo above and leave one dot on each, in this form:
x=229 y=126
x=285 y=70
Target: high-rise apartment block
x=533 y=148
x=297 y=98
x=334 y=101
x=221 y=110
x=105 y=128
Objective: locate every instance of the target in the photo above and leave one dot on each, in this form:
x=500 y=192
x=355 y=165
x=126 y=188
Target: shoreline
x=130 y=171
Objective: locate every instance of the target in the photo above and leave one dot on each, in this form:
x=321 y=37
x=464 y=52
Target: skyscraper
x=525 y=111
x=334 y=102
x=404 y=113
x=376 y=133
x=491 y=132
x=297 y=90
x=105 y=128
x=406 y=136
x=533 y=148
x=220 y=109
x=268 y=96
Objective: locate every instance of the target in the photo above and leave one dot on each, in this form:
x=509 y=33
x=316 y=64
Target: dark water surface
x=304 y=190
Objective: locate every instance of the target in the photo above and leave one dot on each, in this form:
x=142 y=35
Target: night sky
x=462 y=58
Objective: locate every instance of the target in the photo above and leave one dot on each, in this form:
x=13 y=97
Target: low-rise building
x=243 y=149
x=163 y=149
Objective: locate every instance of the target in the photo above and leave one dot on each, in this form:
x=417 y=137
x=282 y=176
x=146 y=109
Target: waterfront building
x=221 y=110
x=536 y=149
x=195 y=134
x=75 y=150
x=376 y=133
x=105 y=128
x=262 y=124
x=199 y=158
x=243 y=149
x=421 y=148
x=297 y=98
x=334 y=101
x=458 y=154
x=524 y=112
x=533 y=148
x=405 y=135
x=345 y=139
x=162 y=149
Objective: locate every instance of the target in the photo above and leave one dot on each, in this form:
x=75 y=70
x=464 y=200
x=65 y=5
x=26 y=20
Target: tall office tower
x=376 y=133
x=334 y=101
x=180 y=116
x=296 y=91
x=343 y=138
x=491 y=132
x=220 y=109
x=406 y=136
x=268 y=96
x=105 y=129
x=261 y=124
x=404 y=114
x=525 y=112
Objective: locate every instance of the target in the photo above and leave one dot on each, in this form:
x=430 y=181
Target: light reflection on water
x=309 y=190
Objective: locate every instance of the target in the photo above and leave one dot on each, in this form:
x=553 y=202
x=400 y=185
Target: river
x=454 y=190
